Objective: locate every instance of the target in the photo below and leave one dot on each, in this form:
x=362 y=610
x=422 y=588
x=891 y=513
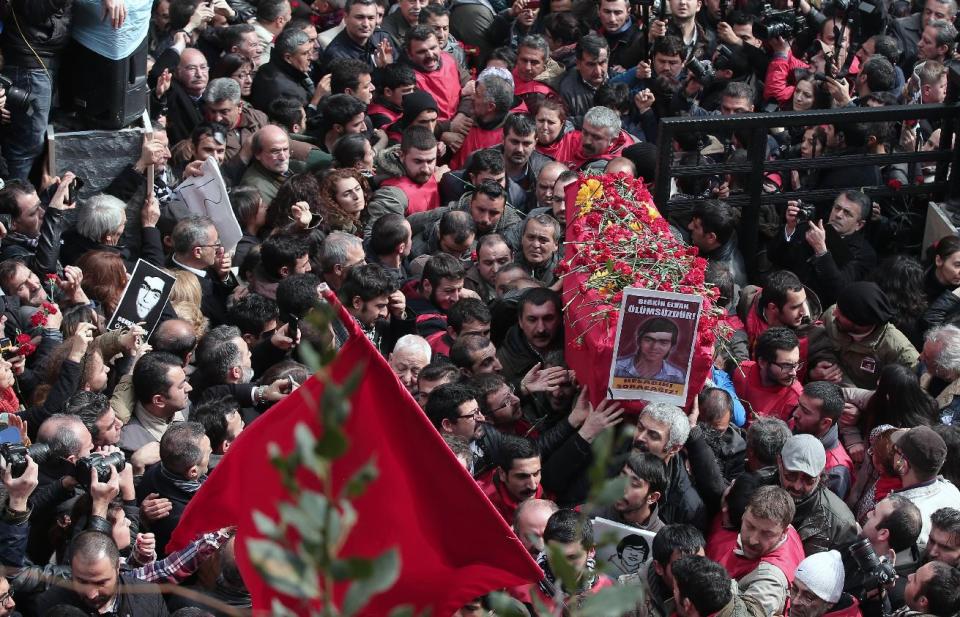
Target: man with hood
x=858 y=339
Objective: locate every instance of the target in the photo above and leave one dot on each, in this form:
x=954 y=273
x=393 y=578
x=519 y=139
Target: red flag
x=453 y=545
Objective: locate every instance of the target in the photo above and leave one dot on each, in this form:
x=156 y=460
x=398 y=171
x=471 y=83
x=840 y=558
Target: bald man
x=621 y=165
x=190 y=77
x=271 y=164
x=530 y=521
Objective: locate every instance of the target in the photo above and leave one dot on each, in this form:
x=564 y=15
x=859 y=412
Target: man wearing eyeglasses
x=197 y=249
x=817 y=413
x=769 y=385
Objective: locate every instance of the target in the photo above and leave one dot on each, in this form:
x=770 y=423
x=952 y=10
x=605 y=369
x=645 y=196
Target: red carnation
x=38 y=319
x=894 y=184
x=23 y=338
x=26 y=349
x=50 y=308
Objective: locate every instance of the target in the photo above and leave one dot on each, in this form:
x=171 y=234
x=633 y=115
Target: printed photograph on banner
x=147 y=291
x=621 y=549
x=653 y=349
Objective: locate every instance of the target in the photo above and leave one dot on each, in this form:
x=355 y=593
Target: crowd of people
x=413 y=157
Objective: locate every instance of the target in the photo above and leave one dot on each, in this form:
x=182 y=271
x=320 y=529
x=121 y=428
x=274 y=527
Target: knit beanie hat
x=822 y=573
x=865 y=304
x=414 y=104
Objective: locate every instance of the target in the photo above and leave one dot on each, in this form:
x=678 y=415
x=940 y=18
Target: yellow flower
x=589 y=192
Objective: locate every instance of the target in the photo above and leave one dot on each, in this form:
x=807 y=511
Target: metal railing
x=757 y=125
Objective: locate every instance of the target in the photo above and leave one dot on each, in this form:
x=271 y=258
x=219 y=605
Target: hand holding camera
x=65 y=197
x=20 y=485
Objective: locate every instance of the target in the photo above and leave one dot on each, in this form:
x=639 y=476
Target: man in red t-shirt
x=770 y=385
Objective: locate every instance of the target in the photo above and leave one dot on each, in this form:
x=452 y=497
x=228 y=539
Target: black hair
x=942 y=590
x=880 y=74
x=831 y=398
x=668 y=45
x=349 y=150
x=779 y=284
x=286 y=111
x=650 y=469
x=702 y=581
x=395 y=76
x=566 y=526
x=150 y=375
x=341 y=108
x=685 y=539
x=898 y=400
x=591 y=45
x=904 y=522
x=180 y=446
x=442 y=266
x=520 y=124
x=716 y=217
x=773 y=340
x=388 y=232
x=467 y=309
x=765 y=438
x=538 y=296
x=212 y=414
x=714 y=404
x=444 y=403
x=738 y=497
x=297 y=294
x=369 y=281
x=488 y=160
x=282 y=250
x=514 y=447
x=458 y=224
x=345 y=73
x=419 y=137
x=615 y=96
x=251 y=313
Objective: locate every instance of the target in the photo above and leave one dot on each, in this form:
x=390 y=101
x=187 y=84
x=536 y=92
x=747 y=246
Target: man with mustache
x=646 y=477
x=822 y=519
x=537 y=332
x=360 y=38
x=416 y=190
x=767 y=551
x=517 y=477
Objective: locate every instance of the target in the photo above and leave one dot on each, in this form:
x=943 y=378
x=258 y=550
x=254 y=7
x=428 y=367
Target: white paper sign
x=621 y=549
x=206 y=195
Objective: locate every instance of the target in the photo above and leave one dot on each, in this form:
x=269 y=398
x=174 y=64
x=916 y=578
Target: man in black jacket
x=34 y=234
x=197 y=249
x=831 y=254
x=191 y=73
x=287 y=73
x=95 y=565
x=184 y=460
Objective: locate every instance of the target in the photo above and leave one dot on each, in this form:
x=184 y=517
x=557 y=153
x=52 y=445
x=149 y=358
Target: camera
x=806 y=212
x=100 y=462
x=877 y=572
x=16 y=456
x=786 y=23
x=17 y=99
x=701 y=71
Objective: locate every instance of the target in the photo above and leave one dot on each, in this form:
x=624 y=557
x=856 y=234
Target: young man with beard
x=932 y=590
x=517 y=477
x=817 y=589
x=781 y=302
x=493 y=253
x=817 y=413
x=919 y=454
x=438 y=74
x=822 y=519
x=943 y=543
x=766 y=553
x=416 y=190
x=646 y=477
x=370 y=295
x=440 y=286
x=500 y=405
x=453 y=409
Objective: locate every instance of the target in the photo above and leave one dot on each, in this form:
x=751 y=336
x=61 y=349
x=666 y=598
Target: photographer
x=698 y=42
x=892 y=529
x=826 y=255
x=35 y=224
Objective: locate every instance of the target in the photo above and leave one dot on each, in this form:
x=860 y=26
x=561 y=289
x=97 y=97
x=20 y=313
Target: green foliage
x=322 y=521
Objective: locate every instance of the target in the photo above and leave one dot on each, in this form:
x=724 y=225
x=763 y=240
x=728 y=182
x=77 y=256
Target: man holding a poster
x=655 y=340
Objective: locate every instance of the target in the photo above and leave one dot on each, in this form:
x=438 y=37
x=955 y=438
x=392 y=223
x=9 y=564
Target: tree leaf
x=359 y=481
x=561 y=567
x=503 y=605
x=303 y=520
x=386 y=569
x=610 y=491
x=612 y=601
x=267 y=526
x=283 y=570
x=278 y=609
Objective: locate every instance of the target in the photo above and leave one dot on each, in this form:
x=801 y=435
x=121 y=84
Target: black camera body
x=877 y=573
x=100 y=462
x=701 y=71
x=786 y=23
x=17 y=99
x=16 y=456
x=806 y=212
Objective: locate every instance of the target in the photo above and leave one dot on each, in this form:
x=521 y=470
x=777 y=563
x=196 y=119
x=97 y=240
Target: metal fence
x=757 y=125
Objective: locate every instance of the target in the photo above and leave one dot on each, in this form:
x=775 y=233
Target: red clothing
x=720 y=540
x=886 y=485
x=756 y=326
x=776 y=85
x=778 y=401
x=850 y=607
x=837 y=457
x=785 y=557
x=501 y=499
x=551 y=150
x=8 y=401
x=476 y=139
x=570 y=149
x=378 y=109
x=420 y=197
x=443 y=85
x=522 y=87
